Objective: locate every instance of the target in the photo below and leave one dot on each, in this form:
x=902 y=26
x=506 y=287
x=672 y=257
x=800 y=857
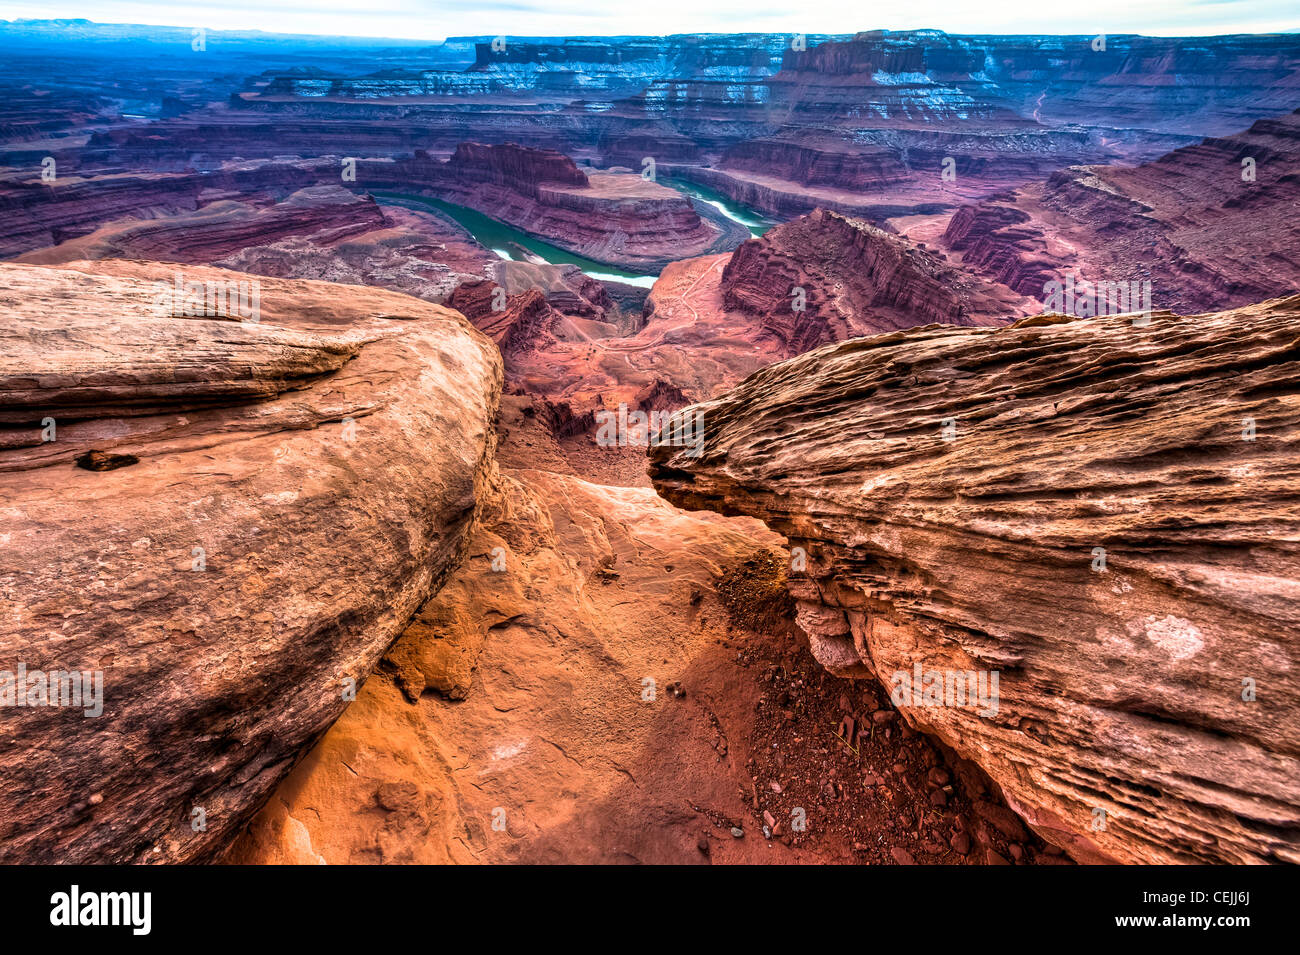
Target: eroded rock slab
x=563 y=642
x=300 y=485
x=1106 y=516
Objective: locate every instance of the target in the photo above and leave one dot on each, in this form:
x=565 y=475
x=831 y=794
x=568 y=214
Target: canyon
x=617 y=218
x=1164 y=221
x=314 y=350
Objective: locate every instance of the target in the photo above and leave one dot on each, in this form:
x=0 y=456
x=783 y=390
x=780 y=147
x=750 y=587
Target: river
x=512 y=244
x=755 y=222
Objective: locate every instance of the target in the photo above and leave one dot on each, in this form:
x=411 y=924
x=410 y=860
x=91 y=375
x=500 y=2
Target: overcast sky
x=436 y=19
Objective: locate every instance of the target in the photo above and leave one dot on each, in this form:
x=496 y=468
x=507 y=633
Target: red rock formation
x=411 y=252
x=619 y=218
x=326 y=214
x=661 y=395
x=515 y=167
x=825 y=277
x=836 y=163
x=582 y=596
x=710 y=321
x=1102 y=515
x=1209 y=226
x=36 y=214
x=675 y=630
x=663 y=145
x=517 y=323
x=295 y=486
x=686 y=341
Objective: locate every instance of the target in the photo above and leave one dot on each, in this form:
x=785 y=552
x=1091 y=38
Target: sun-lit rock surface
x=571 y=597
x=1105 y=515
x=825 y=277
x=235 y=517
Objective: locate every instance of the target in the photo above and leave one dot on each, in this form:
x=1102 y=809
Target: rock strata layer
x=231 y=523
x=1105 y=516
x=826 y=277
x=614 y=217
x=1208 y=227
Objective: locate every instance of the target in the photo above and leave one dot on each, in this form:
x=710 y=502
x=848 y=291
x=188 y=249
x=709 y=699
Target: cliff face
x=1102 y=516
x=326 y=214
x=514 y=166
x=840 y=165
x=651 y=638
x=868 y=125
x=36 y=214
x=523 y=322
x=825 y=277
x=923 y=77
x=1159 y=83
x=186 y=498
x=1211 y=226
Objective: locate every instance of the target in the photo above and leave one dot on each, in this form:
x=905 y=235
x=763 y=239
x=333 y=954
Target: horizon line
x=1294 y=30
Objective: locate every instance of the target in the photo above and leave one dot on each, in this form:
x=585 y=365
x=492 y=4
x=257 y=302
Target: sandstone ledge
x=327 y=461
x=1120 y=689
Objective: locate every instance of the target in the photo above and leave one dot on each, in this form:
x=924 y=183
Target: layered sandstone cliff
x=325 y=214
x=228 y=513
x=1209 y=226
x=1102 y=515
x=825 y=277
x=1164 y=83
x=594 y=637
x=517 y=323
x=35 y=213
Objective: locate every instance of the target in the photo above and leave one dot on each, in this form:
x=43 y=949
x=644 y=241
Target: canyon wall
x=618 y=218
x=223 y=227
x=825 y=277
x=1159 y=83
x=1210 y=226
x=36 y=214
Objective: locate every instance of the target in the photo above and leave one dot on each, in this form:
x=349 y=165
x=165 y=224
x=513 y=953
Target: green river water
x=506 y=241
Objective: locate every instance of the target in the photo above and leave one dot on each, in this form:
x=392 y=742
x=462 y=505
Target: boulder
x=283 y=487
